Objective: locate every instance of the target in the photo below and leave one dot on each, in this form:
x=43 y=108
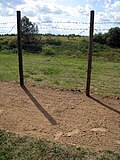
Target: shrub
x=52 y=41
x=12 y=43
x=100 y=38
x=83 y=46
x=97 y=47
x=48 y=51
x=32 y=47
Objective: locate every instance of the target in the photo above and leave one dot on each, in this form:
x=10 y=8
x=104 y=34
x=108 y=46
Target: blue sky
x=39 y=11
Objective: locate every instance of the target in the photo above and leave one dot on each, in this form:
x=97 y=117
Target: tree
x=28 y=27
x=29 y=31
x=99 y=38
x=113 y=38
x=71 y=35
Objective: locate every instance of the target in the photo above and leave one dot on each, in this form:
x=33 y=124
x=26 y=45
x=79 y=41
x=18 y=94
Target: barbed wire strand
x=65 y=69
x=4 y=23
x=54 y=62
x=68 y=71
x=12 y=28
x=77 y=22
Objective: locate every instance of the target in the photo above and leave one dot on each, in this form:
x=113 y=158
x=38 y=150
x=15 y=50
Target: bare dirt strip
x=61 y=116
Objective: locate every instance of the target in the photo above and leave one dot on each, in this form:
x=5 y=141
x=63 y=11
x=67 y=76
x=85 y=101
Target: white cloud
x=51 y=10
x=111 y=12
x=114 y=7
x=88 y=8
x=12 y=3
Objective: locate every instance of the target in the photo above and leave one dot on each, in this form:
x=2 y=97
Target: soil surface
x=66 y=117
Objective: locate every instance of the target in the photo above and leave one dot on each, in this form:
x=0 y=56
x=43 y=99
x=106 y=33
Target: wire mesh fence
x=59 y=60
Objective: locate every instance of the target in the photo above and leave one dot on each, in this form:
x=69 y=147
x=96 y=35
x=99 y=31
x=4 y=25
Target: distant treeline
x=49 y=34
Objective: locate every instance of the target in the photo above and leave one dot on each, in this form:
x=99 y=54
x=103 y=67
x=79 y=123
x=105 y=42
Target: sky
x=67 y=16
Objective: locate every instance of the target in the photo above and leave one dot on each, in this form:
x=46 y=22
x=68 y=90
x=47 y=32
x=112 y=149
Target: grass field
x=28 y=148
x=62 y=72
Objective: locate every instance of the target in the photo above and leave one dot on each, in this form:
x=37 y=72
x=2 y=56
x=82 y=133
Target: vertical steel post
x=90 y=53
x=20 y=59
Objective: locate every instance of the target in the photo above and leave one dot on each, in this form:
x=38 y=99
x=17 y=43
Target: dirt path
x=66 y=117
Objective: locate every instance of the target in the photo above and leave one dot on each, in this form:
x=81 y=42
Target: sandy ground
x=62 y=116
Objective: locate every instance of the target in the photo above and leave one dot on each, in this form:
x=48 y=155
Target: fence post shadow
x=105 y=105
x=37 y=104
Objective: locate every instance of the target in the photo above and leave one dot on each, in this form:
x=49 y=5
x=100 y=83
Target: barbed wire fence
x=41 y=70
x=8 y=28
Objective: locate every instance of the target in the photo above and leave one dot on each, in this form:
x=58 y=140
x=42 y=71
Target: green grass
x=63 y=65
x=27 y=148
x=8 y=66
x=62 y=72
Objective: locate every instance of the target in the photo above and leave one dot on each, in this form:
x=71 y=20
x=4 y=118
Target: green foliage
x=73 y=47
x=12 y=43
x=100 y=38
x=112 y=38
x=83 y=46
x=47 y=50
x=8 y=42
x=4 y=41
x=51 y=41
x=32 y=47
x=71 y=36
x=97 y=47
x=28 y=27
